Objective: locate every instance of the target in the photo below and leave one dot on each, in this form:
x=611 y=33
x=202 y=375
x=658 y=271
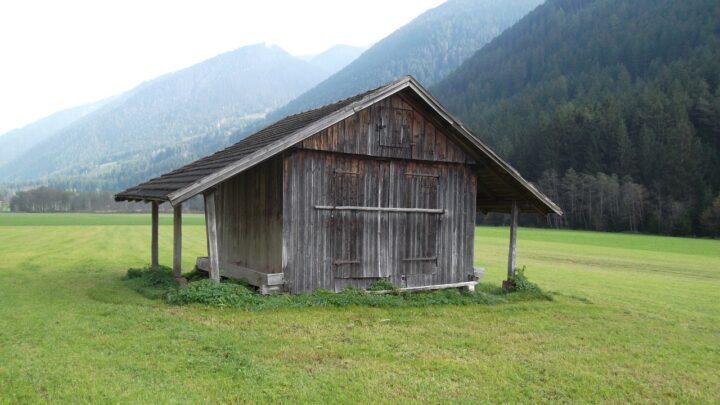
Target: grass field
x=634 y=319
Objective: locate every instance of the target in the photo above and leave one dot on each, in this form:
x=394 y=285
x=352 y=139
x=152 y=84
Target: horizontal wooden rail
x=469 y=284
x=339 y=262
x=437 y=176
x=382 y=145
x=380 y=209
x=420 y=259
x=237 y=272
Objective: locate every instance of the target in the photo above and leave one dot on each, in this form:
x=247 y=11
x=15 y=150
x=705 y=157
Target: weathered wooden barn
x=384 y=184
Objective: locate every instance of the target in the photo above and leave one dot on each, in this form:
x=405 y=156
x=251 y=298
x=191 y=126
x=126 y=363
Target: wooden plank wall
x=334 y=249
x=388 y=128
x=249 y=209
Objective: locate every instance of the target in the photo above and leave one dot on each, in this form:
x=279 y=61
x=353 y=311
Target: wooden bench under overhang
x=266 y=282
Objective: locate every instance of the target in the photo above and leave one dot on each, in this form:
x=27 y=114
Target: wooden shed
x=384 y=184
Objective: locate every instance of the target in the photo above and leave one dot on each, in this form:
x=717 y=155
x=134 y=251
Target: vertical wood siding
x=250 y=208
x=385 y=156
x=334 y=249
x=388 y=128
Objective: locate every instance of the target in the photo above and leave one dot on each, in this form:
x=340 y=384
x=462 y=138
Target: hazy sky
x=56 y=54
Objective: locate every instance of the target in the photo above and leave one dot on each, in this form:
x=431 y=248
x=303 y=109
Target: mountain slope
x=336 y=58
x=16 y=142
x=625 y=88
x=428 y=48
x=169 y=120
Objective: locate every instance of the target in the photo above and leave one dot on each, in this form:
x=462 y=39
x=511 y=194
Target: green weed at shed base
x=150 y=282
x=159 y=284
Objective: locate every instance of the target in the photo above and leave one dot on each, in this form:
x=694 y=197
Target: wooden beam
x=386 y=158
x=211 y=226
x=341 y=262
x=513 y=240
x=154 y=237
x=380 y=209
x=252 y=276
x=420 y=259
x=177 y=240
x=429 y=287
x=437 y=176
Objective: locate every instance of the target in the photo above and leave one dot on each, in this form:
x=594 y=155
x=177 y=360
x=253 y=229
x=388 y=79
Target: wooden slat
x=422 y=175
x=396 y=132
x=513 y=240
x=249 y=207
x=212 y=235
x=420 y=259
x=340 y=262
x=378 y=239
x=177 y=240
x=380 y=209
x=253 y=277
x=154 y=236
x=429 y=287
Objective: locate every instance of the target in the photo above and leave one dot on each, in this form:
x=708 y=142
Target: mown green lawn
x=634 y=319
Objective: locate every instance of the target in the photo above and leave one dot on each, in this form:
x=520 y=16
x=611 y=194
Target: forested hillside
x=166 y=122
x=613 y=106
x=429 y=47
x=16 y=142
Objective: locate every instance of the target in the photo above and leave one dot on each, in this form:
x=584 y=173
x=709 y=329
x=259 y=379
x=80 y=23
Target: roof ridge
x=196 y=177
x=362 y=93
x=256 y=137
x=359 y=96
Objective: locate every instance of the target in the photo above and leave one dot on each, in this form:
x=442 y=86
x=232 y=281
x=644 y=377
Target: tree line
x=599 y=202
x=45 y=199
x=604 y=202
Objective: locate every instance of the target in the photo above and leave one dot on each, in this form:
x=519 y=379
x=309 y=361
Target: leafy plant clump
x=152 y=282
x=520 y=283
x=159 y=284
x=381 y=284
x=231 y=295
x=211 y=293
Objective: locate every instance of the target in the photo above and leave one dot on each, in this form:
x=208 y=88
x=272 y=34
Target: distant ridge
x=428 y=48
x=16 y=142
x=166 y=121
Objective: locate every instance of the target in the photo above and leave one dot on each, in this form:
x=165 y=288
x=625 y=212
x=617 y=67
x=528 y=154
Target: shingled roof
x=196 y=177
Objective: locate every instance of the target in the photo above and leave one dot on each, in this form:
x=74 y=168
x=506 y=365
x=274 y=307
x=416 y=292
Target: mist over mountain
x=428 y=48
x=167 y=121
x=612 y=105
x=335 y=58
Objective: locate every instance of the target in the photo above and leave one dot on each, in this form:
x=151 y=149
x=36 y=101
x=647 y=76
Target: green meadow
x=633 y=319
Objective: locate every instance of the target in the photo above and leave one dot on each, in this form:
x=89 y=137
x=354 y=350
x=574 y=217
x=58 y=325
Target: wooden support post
x=211 y=226
x=154 y=238
x=177 y=241
x=513 y=239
